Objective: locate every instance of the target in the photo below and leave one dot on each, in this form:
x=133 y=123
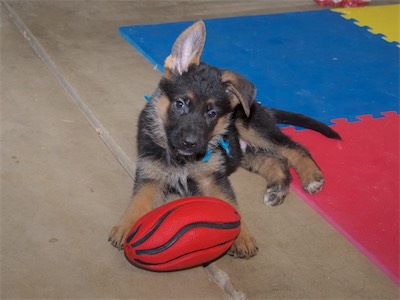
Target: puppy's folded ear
x=187 y=50
x=242 y=90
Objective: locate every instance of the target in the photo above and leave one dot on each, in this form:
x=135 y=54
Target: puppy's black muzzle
x=189 y=137
x=189 y=141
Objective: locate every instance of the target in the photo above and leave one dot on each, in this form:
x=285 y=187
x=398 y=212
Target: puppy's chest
x=180 y=182
x=184 y=178
x=197 y=169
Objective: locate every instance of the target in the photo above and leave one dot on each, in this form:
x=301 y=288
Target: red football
x=182 y=234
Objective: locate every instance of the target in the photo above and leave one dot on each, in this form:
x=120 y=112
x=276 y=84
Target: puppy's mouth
x=189 y=154
x=186 y=152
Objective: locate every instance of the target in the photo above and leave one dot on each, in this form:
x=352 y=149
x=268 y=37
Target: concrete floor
x=62 y=189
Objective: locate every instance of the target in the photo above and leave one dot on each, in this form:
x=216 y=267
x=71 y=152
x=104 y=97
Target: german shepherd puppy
x=199 y=126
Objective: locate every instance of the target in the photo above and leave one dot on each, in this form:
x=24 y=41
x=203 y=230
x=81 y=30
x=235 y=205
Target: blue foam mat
x=316 y=63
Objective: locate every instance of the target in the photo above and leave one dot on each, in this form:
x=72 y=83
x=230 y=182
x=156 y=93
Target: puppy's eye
x=179 y=104
x=211 y=114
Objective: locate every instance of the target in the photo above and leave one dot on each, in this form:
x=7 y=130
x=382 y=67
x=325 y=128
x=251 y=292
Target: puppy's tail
x=285 y=117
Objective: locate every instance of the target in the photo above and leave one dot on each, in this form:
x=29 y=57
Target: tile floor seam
x=217 y=275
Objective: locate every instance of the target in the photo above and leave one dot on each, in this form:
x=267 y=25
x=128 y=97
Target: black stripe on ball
x=130 y=237
x=142 y=262
x=222 y=226
x=150 y=233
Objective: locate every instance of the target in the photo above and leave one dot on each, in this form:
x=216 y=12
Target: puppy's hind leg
x=300 y=159
x=274 y=169
x=310 y=174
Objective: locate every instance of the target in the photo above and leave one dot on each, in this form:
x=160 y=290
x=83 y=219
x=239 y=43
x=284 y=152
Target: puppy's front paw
x=275 y=194
x=245 y=246
x=117 y=235
x=314 y=184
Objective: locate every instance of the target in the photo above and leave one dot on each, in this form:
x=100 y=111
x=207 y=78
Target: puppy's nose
x=189 y=141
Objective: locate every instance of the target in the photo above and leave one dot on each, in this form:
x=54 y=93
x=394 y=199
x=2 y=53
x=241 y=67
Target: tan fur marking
x=245 y=246
x=210 y=101
x=251 y=137
x=150 y=168
x=230 y=77
x=162 y=106
x=270 y=168
x=209 y=188
x=304 y=165
x=206 y=169
x=191 y=95
x=192 y=98
x=168 y=65
x=220 y=127
x=141 y=203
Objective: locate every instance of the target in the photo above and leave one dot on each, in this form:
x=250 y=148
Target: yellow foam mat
x=382 y=19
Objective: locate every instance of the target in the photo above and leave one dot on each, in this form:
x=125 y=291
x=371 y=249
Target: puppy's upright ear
x=242 y=90
x=187 y=50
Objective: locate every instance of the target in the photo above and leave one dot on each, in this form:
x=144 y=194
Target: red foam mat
x=360 y=197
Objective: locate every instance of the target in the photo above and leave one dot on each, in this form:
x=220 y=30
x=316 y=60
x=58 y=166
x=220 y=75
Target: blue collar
x=224 y=144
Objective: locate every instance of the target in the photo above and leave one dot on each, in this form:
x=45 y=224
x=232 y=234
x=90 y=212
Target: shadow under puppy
x=200 y=125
